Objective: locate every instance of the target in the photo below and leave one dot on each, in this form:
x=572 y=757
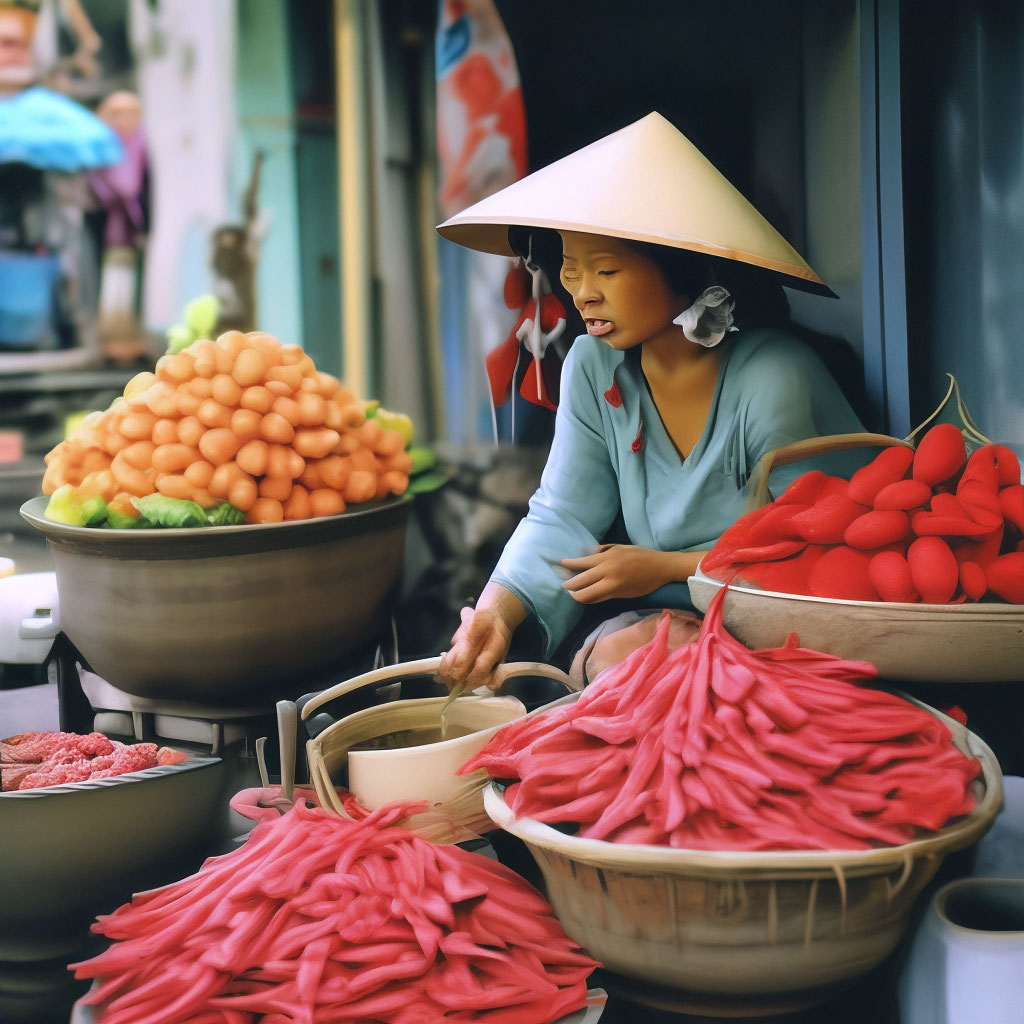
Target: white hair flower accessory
x=709 y=319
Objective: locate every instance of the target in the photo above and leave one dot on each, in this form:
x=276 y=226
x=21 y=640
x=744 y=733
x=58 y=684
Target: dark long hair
x=760 y=299
x=759 y=294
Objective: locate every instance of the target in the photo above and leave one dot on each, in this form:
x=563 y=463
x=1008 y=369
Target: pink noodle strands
x=319 y=919
x=717 y=747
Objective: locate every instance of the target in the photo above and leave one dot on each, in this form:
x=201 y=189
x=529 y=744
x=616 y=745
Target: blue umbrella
x=48 y=131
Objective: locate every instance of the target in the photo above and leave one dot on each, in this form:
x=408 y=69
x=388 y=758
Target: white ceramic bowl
x=426 y=772
x=924 y=643
x=785 y=928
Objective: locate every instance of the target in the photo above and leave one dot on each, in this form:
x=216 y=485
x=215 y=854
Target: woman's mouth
x=596 y=327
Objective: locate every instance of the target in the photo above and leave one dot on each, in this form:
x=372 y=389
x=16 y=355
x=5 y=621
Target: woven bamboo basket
x=779 y=930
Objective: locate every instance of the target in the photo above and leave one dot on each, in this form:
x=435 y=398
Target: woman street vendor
x=686 y=376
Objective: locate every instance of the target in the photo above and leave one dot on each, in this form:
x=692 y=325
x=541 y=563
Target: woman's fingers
x=579 y=564
x=478 y=646
x=599 y=555
x=590 y=587
x=599 y=591
x=482 y=672
x=456 y=661
x=583 y=579
x=598 y=582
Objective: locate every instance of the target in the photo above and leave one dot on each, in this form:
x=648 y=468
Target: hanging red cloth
x=541 y=321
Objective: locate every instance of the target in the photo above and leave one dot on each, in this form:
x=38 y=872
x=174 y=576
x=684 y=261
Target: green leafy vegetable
x=170 y=512
x=201 y=316
x=225 y=514
x=179 y=337
x=67 y=506
x=119 y=521
x=426 y=482
x=422 y=459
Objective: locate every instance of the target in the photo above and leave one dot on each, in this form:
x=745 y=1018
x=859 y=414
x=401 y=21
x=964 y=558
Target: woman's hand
x=625 y=570
x=481 y=642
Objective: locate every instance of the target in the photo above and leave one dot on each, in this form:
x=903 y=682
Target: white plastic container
x=966 y=962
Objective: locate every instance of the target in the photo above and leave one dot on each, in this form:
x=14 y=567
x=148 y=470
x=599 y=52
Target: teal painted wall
x=317 y=168
x=267 y=122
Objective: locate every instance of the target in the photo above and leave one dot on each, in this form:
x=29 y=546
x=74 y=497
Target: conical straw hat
x=645 y=182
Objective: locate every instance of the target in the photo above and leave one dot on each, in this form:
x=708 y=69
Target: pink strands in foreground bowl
x=317 y=918
x=717 y=747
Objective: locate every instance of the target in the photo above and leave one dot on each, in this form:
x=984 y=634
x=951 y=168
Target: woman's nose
x=588 y=290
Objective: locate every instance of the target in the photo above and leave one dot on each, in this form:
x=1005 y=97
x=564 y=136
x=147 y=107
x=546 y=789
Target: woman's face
x=622 y=296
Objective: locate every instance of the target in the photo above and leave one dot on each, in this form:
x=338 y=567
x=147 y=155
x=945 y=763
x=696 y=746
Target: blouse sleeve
x=573 y=507
x=789 y=396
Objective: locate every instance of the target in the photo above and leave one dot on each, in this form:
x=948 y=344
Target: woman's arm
x=624 y=570
x=575 y=504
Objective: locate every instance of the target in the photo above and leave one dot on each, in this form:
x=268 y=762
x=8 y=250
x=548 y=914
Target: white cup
x=966 y=961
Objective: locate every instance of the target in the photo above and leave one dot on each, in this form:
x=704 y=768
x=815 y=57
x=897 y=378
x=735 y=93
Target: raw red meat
x=38 y=746
x=33 y=760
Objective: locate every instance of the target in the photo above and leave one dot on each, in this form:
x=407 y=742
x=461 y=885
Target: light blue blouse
x=611 y=451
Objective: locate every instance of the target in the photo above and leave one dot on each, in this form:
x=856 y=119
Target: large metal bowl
x=225 y=613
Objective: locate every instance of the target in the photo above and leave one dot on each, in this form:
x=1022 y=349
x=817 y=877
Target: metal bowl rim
x=143 y=775
x=32 y=512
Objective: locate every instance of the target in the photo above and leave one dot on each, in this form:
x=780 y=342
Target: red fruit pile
x=320 y=919
x=32 y=760
x=716 y=747
x=930 y=525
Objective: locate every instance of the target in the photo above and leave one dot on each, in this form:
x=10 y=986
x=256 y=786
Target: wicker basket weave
x=787 y=923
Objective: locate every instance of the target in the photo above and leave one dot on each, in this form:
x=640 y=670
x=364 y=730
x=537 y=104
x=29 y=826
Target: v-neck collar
x=650 y=417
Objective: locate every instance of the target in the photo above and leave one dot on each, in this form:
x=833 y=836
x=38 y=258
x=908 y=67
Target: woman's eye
x=569 y=274
x=607 y=273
